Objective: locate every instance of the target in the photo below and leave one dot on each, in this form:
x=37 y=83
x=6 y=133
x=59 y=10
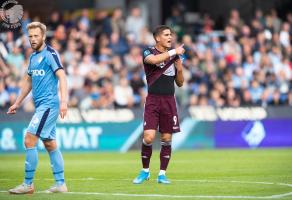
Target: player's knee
x=148 y=139
x=30 y=141
x=50 y=145
x=166 y=138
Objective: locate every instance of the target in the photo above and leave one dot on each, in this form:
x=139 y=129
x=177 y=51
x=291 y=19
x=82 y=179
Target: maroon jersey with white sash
x=160 y=77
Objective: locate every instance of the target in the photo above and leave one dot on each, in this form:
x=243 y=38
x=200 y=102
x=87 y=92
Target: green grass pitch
x=198 y=174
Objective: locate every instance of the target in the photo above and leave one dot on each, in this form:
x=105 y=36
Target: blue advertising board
x=73 y=137
x=253 y=134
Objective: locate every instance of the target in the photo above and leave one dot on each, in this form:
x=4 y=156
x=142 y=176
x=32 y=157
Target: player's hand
x=63 y=109
x=180 y=50
x=12 y=109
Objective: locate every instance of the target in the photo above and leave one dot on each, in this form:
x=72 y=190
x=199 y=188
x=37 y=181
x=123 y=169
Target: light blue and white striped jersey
x=42 y=68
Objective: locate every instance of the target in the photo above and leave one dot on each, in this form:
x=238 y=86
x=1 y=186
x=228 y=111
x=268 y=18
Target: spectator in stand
x=135 y=23
x=118 y=45
x=216 y=99
x=54 y=22
x=259 y=17
x=102 y=23
x=107 y=97
x=71 y=53
x=12 y=89
x=133 y=59
x=276 y=21
x=285 y=35
x=208 y=24
x=25 y=21
x=4 y=69
x=117 y=22
x=60 y=35
x=235 y=21
x=123 y=93
x=146 y=38
x=84 y=21
x=139 y=90
x=4 y=95
x=175 y=20
x=256 y=92
x=15 y=61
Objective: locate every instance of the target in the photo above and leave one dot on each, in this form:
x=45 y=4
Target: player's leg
x=151 y=119
x=57 y=165
x=48 y=137
x=146 y=150
x=31 y=161
x=168 y=124
x=146 y=153
x=165 y=155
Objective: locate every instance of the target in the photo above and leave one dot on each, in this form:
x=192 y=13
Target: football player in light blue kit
x=43 y=74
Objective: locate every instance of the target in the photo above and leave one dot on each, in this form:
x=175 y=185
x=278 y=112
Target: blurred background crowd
x=246 y=63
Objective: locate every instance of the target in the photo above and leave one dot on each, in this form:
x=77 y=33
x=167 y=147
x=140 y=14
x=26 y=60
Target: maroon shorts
x=160 y=111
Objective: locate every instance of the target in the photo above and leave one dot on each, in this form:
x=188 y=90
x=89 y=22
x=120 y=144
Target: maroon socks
x=165 y=154
x=146 y=153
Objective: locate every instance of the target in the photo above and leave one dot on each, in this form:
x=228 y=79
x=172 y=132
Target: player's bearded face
x=165 y=38
x=36 y=38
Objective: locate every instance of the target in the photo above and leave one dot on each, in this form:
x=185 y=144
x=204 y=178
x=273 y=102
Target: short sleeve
x=146 y=53
x=54 y=60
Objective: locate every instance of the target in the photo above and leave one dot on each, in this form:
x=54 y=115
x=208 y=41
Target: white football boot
x=57 y=189
x=22 y=189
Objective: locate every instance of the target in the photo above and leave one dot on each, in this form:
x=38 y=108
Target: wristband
x=171 y=52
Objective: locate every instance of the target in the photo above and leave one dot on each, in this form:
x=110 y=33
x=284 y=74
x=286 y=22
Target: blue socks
x=57 y=164
x=31 y=161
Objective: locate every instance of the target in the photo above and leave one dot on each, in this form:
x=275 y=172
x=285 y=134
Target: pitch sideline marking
x=176 y=196
x=276 y=196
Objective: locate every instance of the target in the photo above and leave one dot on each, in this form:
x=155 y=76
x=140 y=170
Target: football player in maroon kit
x=163 y=67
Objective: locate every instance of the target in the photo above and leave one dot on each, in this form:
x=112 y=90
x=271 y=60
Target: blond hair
x=37 y=25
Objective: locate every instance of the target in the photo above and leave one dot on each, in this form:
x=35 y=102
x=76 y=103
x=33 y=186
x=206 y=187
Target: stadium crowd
x=246 y=64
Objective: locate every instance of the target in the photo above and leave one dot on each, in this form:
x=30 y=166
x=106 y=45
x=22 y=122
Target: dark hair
x=159 y=29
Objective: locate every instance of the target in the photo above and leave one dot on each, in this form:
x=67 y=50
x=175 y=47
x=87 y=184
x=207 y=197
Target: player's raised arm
x=179 y=78
x=63 y=91
x=159 y=58
x=25 y=89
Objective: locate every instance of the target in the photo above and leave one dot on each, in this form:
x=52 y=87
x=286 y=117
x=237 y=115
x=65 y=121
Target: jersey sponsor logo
x=38 y=72
x=146 y=53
